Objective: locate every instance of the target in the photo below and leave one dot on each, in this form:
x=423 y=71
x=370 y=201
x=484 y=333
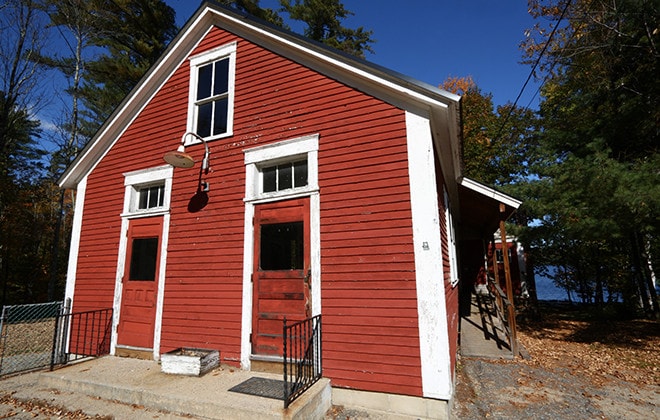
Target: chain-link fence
x=27 y=334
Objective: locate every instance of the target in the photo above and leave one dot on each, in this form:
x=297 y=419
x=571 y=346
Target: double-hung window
x=211 y=100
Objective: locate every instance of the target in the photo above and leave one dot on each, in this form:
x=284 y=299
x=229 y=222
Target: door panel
x=280 y=273
x=137 y=315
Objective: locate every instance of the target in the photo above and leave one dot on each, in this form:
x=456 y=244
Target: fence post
x=286 y=385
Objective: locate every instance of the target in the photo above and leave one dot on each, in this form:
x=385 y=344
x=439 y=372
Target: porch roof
x=480 y=208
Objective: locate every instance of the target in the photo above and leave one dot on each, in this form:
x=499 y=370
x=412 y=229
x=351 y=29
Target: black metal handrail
x=301 y=357
x=80 y=335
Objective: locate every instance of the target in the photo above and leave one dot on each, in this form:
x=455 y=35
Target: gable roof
x=475 y=203
x=441 y=106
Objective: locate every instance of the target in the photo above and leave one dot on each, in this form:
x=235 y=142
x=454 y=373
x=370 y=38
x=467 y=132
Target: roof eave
x=331 y=62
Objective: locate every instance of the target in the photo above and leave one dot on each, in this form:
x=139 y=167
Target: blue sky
x=431 y=40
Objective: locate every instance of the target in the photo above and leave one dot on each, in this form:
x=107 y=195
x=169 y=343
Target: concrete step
x=141 y=382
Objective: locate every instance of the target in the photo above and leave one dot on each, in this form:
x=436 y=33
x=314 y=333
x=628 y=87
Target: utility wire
x=531 y=73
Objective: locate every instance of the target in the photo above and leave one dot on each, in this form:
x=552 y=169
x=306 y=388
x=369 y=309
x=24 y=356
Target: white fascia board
x=489 y=192
x=74 y=247
x=193 y=33
x=133 y=105
x=327 y=58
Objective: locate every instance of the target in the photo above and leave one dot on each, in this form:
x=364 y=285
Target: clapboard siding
x=368 y=291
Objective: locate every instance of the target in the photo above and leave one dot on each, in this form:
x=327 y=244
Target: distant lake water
x=546 y=290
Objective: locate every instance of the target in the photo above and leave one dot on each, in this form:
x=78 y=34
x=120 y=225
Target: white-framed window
x=283 y=169
x=211 y=96
x=451 y=242
x=151 y=196
x=147 y=191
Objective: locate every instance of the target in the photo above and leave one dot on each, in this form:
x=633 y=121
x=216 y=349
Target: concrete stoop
x=141 y=383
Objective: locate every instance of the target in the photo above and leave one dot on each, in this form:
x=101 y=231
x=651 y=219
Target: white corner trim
x=431 y=304
x=74 y=248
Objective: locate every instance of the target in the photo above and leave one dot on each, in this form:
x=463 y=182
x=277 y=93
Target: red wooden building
x=324 y=185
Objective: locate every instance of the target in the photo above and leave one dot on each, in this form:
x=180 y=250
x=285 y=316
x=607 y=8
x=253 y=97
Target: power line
x=531 y=73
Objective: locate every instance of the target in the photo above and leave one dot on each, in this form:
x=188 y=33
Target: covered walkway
x=481 y=332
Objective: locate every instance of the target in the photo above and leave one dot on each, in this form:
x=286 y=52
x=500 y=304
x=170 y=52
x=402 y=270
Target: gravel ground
x=514 y=390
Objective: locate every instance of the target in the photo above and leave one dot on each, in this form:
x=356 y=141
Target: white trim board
x=427 y=242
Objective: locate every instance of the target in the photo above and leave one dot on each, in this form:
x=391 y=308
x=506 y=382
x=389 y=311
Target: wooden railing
x=506 y=313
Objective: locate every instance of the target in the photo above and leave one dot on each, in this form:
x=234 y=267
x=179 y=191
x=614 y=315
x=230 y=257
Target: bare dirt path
x=582 y=365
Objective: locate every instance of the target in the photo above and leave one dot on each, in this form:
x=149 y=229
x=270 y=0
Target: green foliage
x=252 y=7
x=323 y=19
x=596 y=193
x=134 y=33
x=496 y=143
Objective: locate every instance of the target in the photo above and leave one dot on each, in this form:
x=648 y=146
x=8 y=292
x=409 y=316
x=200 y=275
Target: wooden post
x=509 y=285
x=493 y=261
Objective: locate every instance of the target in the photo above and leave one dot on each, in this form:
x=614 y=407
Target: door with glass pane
x=281 y=272
x=137 y=315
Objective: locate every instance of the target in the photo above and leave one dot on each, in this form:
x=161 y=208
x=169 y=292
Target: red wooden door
x=140 y=283
x=281 y=271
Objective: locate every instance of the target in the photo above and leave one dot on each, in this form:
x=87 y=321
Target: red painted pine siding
x=368 y=292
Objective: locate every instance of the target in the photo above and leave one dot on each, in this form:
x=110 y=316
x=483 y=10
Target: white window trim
x=256 y=158
x=228 y=50
x=288 y=150
x=133 y=181
x=451 y=242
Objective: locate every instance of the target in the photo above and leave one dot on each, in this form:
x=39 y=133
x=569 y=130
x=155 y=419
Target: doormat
x=261 y=387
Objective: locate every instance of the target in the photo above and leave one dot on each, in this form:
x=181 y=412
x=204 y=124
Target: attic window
x=211 y=98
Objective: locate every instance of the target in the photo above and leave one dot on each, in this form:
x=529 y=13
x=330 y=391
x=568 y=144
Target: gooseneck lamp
x=180 y=159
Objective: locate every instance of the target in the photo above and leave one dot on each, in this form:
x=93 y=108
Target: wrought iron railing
x=80 y=335
x=302 y=357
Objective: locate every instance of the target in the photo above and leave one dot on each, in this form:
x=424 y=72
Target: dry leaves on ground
x=598 y=348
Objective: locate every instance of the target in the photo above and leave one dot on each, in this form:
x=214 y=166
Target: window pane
x=143 y=259
x=143 y=196
x=300 y=173
x=220 y=117
x=204 y=120
x=161 y=196
x=285 y=180
x=282 y=246
x=204 y=82
x=221 y=84
x=154 y=194
x=270 y=179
